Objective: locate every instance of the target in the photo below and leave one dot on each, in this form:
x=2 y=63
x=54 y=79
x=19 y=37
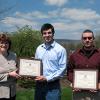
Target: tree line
x=25 y=41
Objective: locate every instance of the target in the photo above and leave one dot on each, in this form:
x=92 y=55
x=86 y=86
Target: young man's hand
x=40 y=78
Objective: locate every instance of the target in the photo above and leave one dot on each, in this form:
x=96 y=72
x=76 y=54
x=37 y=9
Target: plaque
x=85 y=79
x=30 y=67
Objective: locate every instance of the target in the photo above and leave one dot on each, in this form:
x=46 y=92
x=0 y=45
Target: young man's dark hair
x=46 y=27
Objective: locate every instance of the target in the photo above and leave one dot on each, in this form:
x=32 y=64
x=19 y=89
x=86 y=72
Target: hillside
x=67 y=41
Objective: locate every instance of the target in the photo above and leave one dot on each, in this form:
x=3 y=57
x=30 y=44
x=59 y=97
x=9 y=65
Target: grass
x=66 y=93
x=28 y=94
x=25 y=94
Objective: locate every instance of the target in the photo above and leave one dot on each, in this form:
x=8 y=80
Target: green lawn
x=27 y=94
x=66 y=93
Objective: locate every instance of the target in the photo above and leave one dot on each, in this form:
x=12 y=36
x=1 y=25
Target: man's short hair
x=89 y=31
x=47 y=26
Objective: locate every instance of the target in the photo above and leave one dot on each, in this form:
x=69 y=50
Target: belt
x=55 y=81
x=45 y=82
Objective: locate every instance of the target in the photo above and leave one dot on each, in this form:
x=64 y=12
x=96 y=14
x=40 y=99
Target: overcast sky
x=69 y=17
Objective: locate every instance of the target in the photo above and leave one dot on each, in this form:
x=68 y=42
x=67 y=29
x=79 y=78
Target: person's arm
x=13 y=66
x=5 y=72
x=71 y=66
x=70 y=69
x=62 y=62
x=99 y=79
x=3 y=77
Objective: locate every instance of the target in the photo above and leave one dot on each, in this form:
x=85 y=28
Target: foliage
x=98 y=41
x=26 y=83
x=25 y=41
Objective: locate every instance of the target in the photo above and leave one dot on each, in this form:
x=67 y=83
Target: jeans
x=48 y=91
x=86 y=95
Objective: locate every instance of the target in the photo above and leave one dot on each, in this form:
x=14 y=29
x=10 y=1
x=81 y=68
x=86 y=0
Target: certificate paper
x=30 y=67
x=85 y=79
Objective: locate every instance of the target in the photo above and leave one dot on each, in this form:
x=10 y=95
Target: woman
x=8 y=69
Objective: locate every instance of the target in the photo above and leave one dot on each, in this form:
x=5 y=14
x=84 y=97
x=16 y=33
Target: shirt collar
x=51 y=45
x=94 y=50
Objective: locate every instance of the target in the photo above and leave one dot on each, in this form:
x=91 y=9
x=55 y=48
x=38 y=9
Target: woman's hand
x=14 y=74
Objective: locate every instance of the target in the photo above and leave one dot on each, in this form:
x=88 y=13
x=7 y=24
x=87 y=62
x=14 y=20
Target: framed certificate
x=85 y=79
x=30 y=67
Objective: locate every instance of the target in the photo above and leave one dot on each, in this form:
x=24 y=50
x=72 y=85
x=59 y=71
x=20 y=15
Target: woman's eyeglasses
x=4 y=43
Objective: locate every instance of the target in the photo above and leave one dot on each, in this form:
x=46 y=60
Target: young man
x=53 y=57
x=88 y=57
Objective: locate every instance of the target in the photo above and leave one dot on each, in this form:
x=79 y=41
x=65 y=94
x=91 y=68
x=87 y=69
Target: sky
x=69 y=17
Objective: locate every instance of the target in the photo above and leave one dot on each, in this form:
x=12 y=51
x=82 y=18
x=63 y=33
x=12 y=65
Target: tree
x=98 y=41
x=25 y=41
